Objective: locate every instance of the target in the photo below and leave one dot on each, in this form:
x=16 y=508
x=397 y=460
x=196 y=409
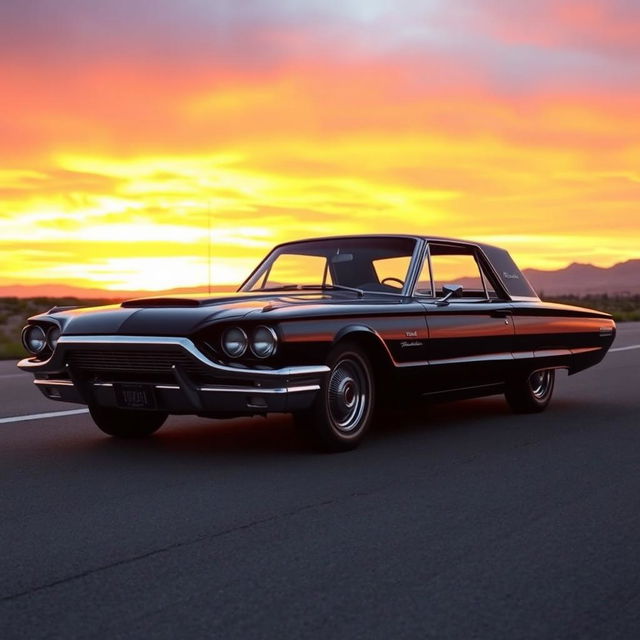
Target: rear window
x=512 y=278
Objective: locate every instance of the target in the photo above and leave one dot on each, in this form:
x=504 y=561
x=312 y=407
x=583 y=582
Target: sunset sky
x=124 y=123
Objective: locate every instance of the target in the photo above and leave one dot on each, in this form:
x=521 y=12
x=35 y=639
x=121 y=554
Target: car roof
x=512 y=279
x=390 y=235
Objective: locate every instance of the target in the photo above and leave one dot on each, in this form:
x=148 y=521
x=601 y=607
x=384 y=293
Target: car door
x=471 y=336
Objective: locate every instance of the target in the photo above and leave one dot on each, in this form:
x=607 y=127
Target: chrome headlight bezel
x=266 y=336
x=241 y=340
x=53 y=335
x=34 y=339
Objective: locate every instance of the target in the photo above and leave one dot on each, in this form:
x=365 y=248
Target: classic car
x=327 y=329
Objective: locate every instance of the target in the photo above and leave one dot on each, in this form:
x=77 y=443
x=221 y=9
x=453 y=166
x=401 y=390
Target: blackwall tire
x=123 y=423
x=531 y=393
x=343 y=410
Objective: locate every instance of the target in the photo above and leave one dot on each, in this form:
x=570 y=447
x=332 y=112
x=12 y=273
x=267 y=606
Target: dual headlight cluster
x=37 y=339
x=262 y=342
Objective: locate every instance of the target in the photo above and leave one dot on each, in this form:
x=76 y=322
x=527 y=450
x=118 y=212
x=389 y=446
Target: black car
x=325 y=329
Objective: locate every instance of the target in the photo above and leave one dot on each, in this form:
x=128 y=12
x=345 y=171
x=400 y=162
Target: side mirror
x=450 y=291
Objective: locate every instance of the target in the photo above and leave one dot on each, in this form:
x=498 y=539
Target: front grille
x=129 y=364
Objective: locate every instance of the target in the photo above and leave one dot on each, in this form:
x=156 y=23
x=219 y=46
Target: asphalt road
x=462 y=522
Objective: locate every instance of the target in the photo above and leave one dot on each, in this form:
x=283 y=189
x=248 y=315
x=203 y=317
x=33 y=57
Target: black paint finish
x=419 y=343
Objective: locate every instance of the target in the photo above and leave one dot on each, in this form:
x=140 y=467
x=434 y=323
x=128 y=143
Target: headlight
x=52 y=337
x=234 y=342
x=263 y=342
x=34 y=338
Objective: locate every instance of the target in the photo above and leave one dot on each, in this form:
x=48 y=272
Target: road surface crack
x=178 y=545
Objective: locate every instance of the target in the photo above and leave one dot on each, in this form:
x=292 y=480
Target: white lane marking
x=41 y=416
x=633 y=346
x=75 y=412
x=13 y=375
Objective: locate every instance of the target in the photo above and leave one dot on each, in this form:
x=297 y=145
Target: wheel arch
x=373 y=346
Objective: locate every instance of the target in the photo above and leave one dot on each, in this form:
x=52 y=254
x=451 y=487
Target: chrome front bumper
x=236 y=390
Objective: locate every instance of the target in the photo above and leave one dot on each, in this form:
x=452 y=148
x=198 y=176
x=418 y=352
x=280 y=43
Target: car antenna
x=209 y=246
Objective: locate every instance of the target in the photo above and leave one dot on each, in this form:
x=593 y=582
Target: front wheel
x=343 y=409
x=123 y=423
x=531 y=393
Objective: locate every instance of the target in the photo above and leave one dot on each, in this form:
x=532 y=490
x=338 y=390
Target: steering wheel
x=400 y=282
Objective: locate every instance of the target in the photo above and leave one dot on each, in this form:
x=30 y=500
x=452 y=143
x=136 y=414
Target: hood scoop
x=146 y=303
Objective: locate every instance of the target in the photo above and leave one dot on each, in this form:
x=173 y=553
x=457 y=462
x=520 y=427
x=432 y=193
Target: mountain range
x=582 y=279
x=576 y=279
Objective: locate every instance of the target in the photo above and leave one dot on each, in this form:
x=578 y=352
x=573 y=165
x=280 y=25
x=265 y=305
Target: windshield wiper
x=282 y=287
x=339 y=287
x=307 y=287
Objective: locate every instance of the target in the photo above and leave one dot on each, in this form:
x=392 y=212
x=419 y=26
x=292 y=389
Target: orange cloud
x=116 y=149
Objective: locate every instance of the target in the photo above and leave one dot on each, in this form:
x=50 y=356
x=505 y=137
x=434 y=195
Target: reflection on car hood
x=184 y=315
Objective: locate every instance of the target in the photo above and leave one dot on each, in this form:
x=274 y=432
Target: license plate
x=135 y=396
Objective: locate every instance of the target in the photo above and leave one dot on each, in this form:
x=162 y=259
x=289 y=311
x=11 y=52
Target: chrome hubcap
x=347 y=395
x=540 y=383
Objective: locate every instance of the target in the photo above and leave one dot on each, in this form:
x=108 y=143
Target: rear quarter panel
x=561 y=335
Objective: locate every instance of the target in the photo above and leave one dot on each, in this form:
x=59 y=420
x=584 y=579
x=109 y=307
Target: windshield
x=369 y=264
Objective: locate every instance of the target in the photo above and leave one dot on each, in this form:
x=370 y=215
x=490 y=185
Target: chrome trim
x=478 y=358
x=433 y=286
x=475 y=386
x=185 y=343
x=551 y=353
x=214 y=389
x=251 y=279
x=586 y=350
x=173 y=387
x=476 y=253
x=53 y=383
x=50 y=330
x=23 y=338
x=483 y=277
x=224 y=346
x=541 y=383
x=413 y=272
x=348 y=391
x=426 y=256
x=454 y=301
x=219 y=389
x=261 y=391
x=274 y=335
x=483 y=357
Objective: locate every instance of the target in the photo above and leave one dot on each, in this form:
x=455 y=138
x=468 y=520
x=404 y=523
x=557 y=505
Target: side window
x=455 y=265
x=458 y=269
x=491 y=292
x=423 y=285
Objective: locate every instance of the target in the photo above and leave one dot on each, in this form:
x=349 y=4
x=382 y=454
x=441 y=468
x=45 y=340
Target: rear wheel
x=124 y=423
x=532 y=393
x=343 y=409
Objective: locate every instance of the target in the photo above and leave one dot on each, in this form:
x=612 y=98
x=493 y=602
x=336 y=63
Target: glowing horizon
x=129 y=129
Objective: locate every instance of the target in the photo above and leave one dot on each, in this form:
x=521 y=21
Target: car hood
x=185 y=315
